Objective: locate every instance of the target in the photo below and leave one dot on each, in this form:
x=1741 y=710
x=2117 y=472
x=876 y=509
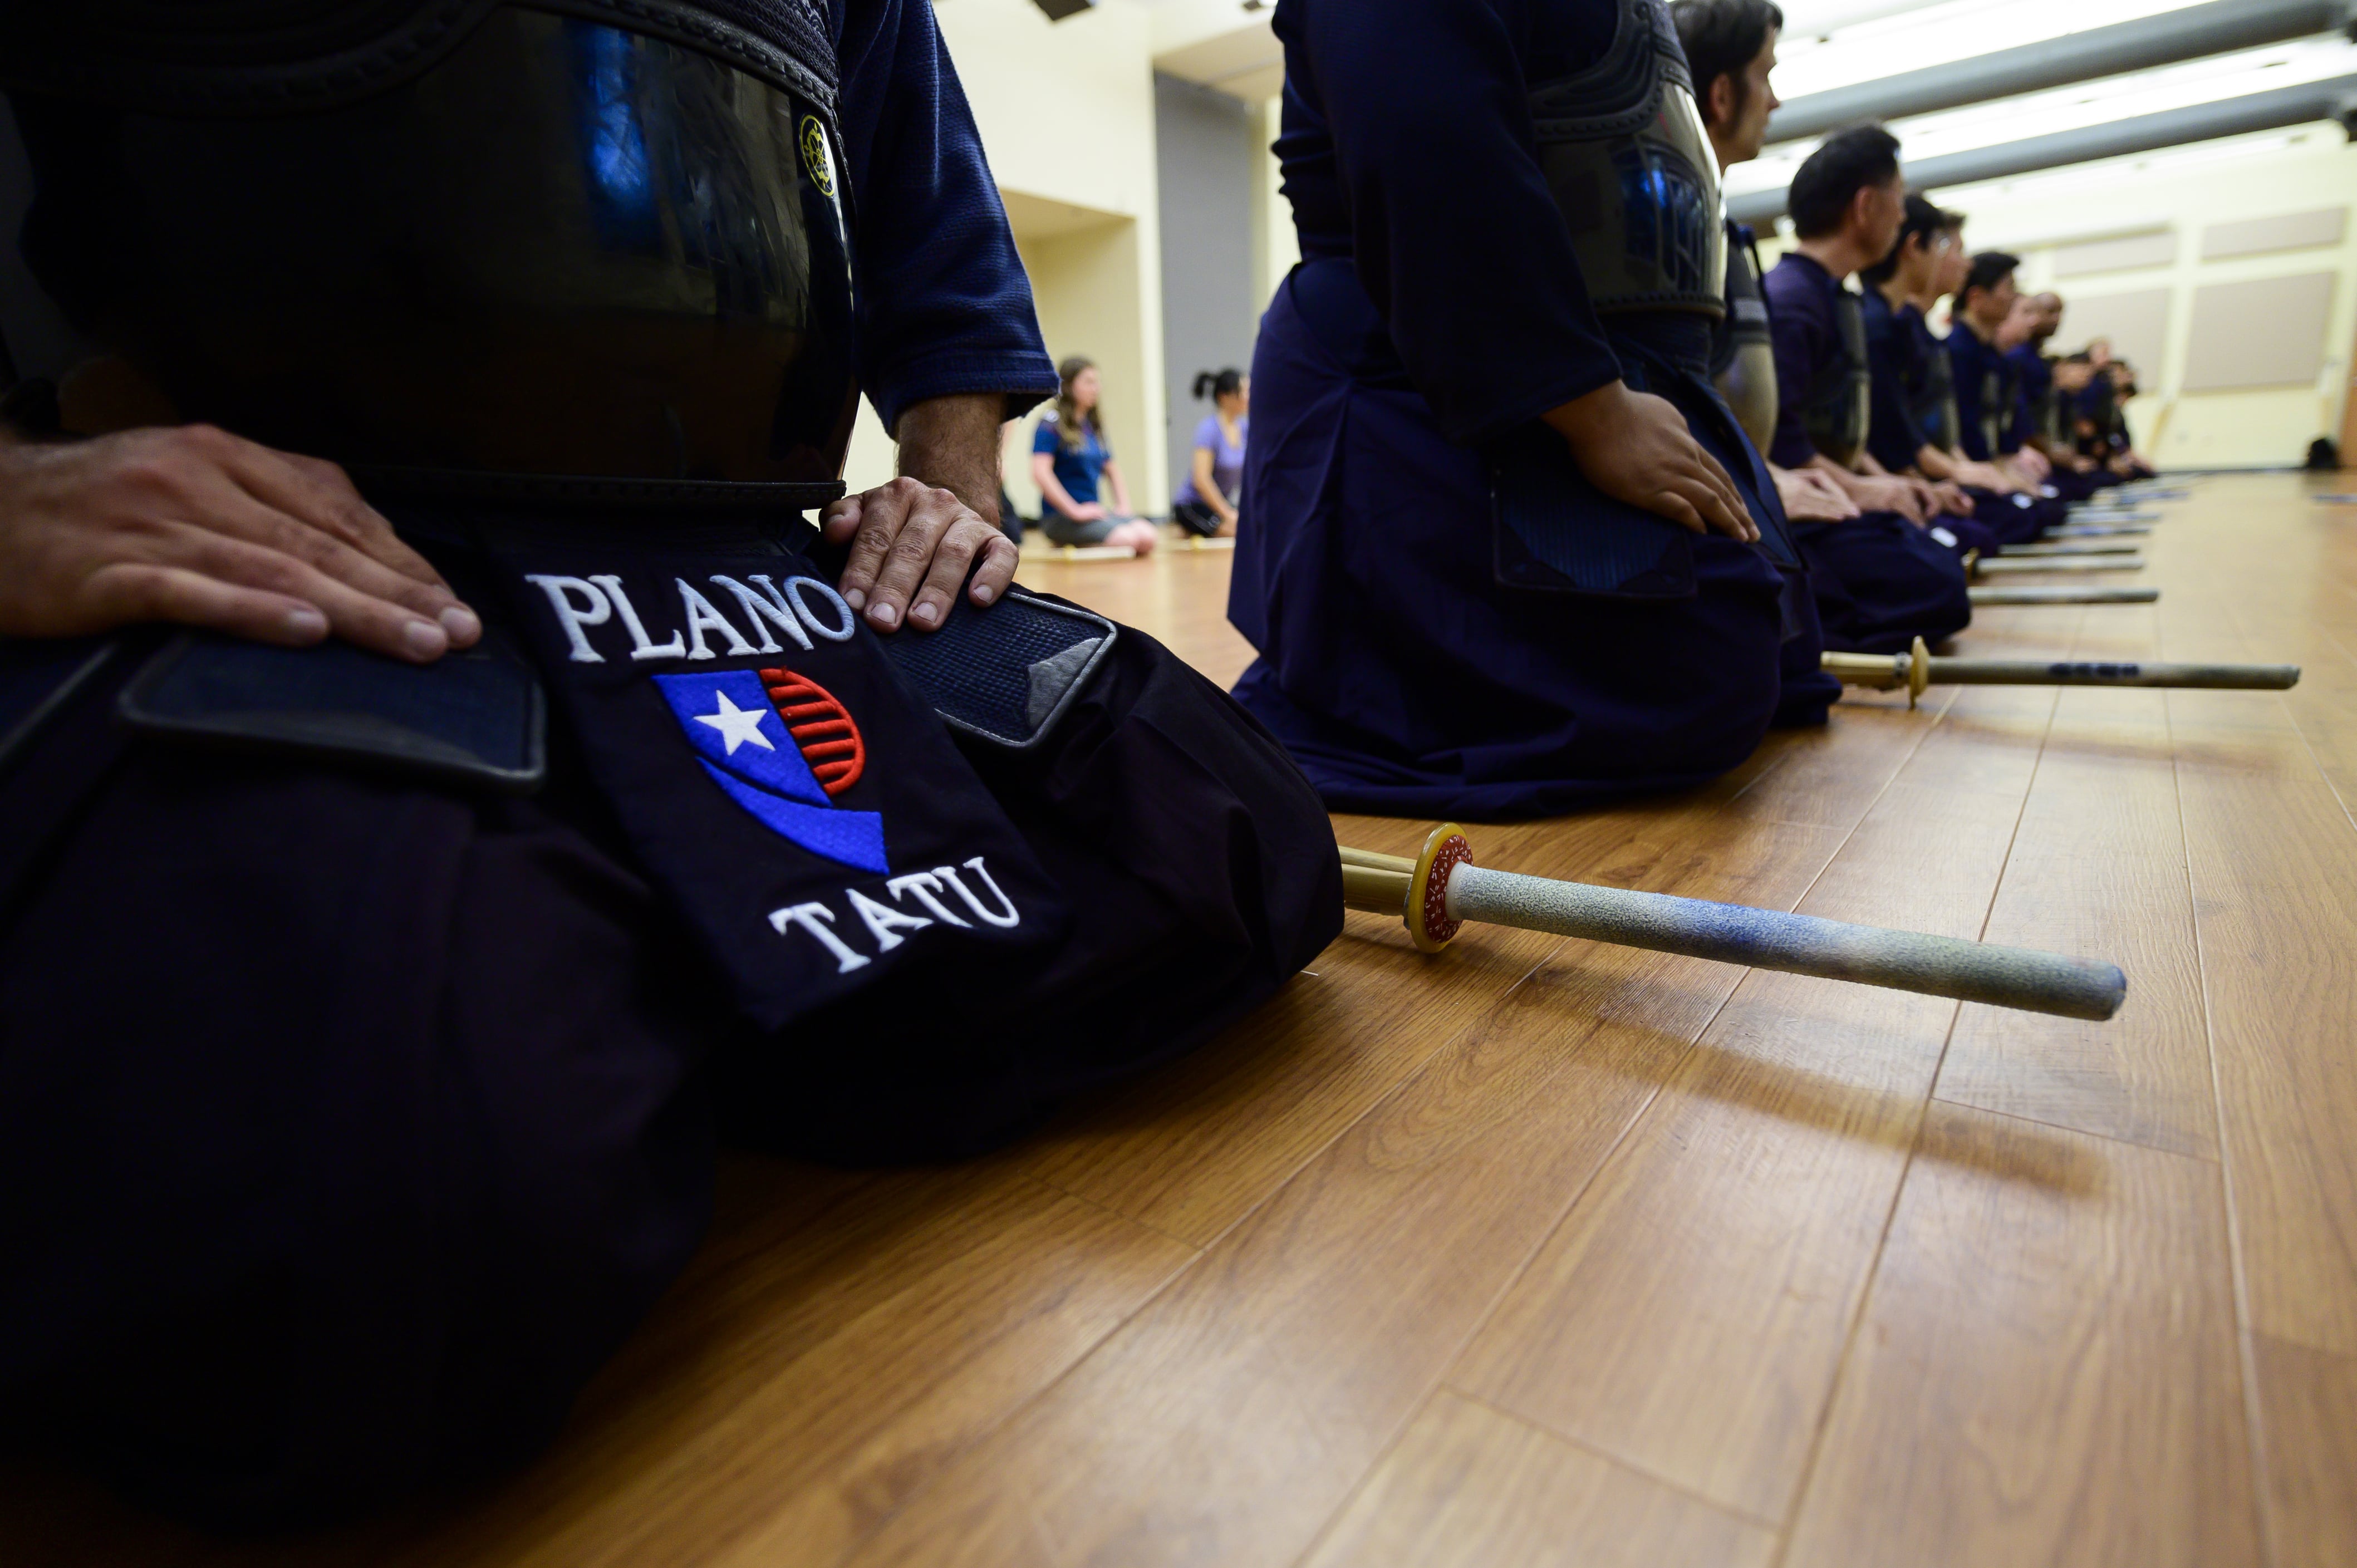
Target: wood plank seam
x=1637 y=1119
x=1898 y=1191
x=1614 y=1460
x=1514 y=1276
x=2308 y=741
x=2254 y=1425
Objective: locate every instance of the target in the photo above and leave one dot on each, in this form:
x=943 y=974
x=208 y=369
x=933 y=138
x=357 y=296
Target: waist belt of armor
x=460 y=235
x=1839 y=398
x=1630 y=168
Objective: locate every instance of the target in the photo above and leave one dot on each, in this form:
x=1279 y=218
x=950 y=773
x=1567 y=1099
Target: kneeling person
x=1505 y=550
x=1881 y=579
x=1912 y=401
x=366 y=1004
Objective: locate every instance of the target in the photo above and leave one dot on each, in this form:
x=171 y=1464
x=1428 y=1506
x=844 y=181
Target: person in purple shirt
x=1206 y=501
x=1881 y=579
x=1505 y=549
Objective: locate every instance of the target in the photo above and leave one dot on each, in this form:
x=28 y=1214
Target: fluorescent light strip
x=2100 y=102
x=1935 y=35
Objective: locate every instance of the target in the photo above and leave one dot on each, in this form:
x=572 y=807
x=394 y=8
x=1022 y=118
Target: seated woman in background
x=1068 y=455
x=1215 y=475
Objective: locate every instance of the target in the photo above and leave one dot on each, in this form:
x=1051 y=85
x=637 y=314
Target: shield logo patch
x=782 y=748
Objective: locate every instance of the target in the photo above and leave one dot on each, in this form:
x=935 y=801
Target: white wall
x=2183 y=192
x=1066 y=111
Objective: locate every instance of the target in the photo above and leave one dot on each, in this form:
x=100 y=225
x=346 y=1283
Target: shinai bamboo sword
x=2062 y=596
x=1439 y=890
x=1915 y=669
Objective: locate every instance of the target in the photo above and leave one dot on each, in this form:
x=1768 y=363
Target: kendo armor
x=598 y=245
x=1836 y=403
x=2046 y=412
x=1632 y=170
x=1932 y=403
x=1997 y=406
x=1743 y=363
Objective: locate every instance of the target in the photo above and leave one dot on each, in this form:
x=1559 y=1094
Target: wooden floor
x=1545 y=1253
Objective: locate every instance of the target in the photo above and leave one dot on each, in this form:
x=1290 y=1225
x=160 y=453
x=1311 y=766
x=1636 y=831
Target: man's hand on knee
x=911 y=546
x=912 y=541
x=193 y=525
x=1638 y=448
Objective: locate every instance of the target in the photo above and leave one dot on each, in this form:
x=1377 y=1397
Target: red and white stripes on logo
x=821 y=727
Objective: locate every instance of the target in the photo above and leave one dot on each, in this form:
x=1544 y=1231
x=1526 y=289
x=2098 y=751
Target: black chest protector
x=1743 y=351
x=1835 y=404
x=1932 y=400
x=1997 y=405
x=2046 y=411
x=1631 y=170
x=467 y=237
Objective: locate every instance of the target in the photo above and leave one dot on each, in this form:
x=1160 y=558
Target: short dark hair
x=1721 y=37
x=1848 y=163
x=1990 y=268
x=1923 y=221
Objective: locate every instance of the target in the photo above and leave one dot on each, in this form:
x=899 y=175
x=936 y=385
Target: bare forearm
x=952 y=443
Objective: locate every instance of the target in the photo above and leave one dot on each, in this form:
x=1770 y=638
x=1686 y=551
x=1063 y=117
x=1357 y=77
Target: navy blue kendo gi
x=2039 y=413
x=1895 y=357
x=1880 y=581
x=1907 y=358
x=1439 y=308
x=2033 y=380
x=1985 y=391
x=351 y=1118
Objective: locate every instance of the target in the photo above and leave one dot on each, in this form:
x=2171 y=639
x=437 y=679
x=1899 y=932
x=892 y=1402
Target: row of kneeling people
x=447 y=790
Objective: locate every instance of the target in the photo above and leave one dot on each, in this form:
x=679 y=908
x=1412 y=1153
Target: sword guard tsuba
x=1444 y=851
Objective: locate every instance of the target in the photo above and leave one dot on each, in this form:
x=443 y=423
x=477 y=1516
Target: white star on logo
x=737 y=725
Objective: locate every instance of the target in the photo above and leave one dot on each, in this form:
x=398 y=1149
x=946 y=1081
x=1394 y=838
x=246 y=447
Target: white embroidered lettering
x=794 y=586
x=640 y=647
x=702 y=613
x=924 y=884
x=572 y=616
x=949 y=874
x=808 y=916
x=777 y=613
x=881 y=919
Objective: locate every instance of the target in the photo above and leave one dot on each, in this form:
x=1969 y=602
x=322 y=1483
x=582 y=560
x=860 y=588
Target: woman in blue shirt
x=1068 y=455
x=1205 y=503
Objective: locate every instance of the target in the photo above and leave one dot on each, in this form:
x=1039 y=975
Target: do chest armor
x=1838 y=399
x=1996 y=401
x=463 y=237
x=1744 y=365
x=1933 y=404
x=1625 y=156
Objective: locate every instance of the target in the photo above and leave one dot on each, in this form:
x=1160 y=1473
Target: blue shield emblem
x=744 y=737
